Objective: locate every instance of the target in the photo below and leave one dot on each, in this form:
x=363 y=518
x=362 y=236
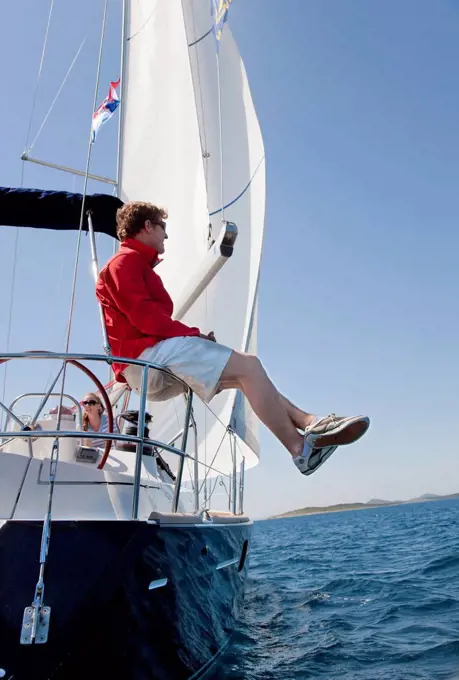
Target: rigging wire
x=117 y=191
x=83 y=201
x=198 y=90
x=218 y=479
x=57 y=94
x=57 y=293
x=209 y=467
x=10 y=311
x=45 y=44
x=206 y=499
x=201 y=120
x=85 y=185
x=16 y=237
x=220 y=133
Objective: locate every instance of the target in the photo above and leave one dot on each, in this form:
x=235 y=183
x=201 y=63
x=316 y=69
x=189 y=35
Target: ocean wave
x=368 y=595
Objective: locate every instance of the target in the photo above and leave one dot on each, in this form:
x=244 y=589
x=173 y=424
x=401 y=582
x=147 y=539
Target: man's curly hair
x=131 y=218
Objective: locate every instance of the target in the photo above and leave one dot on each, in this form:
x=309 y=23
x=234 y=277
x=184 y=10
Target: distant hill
x=429 y=497
x=373 y=503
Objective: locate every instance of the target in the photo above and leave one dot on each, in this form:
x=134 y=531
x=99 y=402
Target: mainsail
x=191 y=142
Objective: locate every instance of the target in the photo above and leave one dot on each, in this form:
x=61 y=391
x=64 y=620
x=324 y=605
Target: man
x=138 y=316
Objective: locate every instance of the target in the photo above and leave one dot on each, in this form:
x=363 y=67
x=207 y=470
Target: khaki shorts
x=198 y=362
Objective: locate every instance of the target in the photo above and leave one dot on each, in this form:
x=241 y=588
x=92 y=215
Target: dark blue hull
x=111 y=615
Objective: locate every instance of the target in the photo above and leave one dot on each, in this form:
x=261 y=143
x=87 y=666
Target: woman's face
x=91 y=404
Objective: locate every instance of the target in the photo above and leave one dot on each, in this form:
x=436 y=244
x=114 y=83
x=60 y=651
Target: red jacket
x=137 y=308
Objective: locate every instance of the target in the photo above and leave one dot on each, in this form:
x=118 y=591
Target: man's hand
x=210 y=336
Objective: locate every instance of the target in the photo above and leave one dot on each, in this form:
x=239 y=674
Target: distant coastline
x=373 y=503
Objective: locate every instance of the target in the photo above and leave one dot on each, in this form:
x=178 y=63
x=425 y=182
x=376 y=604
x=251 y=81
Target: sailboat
x=129 y=561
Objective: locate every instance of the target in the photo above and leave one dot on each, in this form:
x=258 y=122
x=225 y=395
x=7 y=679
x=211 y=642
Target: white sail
x=171 y=155
x=160 y=159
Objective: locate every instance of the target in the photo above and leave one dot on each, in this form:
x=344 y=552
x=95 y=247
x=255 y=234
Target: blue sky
x=358 y=104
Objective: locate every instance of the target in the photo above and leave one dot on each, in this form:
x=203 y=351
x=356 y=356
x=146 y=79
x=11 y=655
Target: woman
x=94 y=419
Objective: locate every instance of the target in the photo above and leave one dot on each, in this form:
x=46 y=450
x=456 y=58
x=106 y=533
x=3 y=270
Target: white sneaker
x=335 y=430
x=323 y=436
x=309 y=463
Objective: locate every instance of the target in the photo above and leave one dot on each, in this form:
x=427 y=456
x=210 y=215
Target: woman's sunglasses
x=90 y=402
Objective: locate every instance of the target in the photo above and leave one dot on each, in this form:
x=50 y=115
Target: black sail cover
x=58 y=210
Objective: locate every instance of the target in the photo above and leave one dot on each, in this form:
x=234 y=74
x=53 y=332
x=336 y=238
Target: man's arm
x=125 y=281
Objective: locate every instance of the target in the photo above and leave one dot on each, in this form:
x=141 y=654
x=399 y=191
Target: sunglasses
x=160 y=224
x=90 y=402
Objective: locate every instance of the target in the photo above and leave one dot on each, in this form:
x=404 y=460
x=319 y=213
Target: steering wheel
x=103 y=393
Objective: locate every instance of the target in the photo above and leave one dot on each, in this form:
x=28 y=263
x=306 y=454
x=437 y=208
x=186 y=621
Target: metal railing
x=28 y=395
x=140 y=440
x=36 y=616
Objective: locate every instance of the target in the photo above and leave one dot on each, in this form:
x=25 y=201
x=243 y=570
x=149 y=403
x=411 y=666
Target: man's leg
x=301 y=419
x=245 y=372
